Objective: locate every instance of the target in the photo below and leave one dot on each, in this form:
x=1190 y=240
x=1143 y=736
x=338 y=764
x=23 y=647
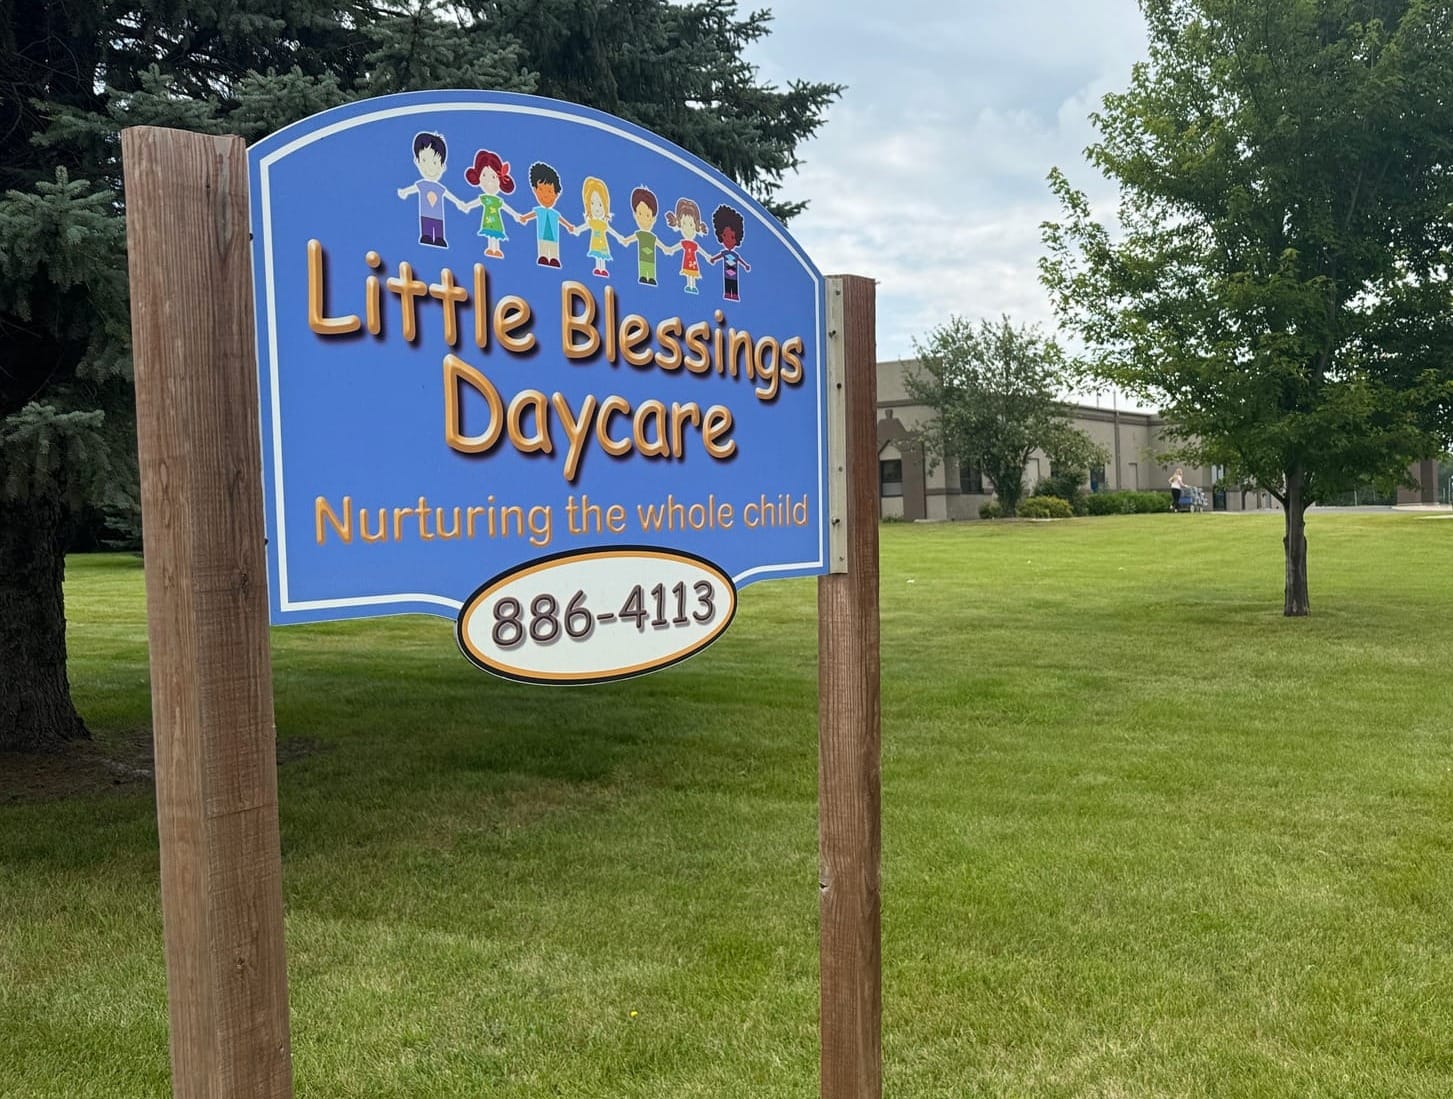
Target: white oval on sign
x=594 y=615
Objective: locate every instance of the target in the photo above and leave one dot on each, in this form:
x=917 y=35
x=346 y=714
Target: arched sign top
x=462 y=101
x=495 y=328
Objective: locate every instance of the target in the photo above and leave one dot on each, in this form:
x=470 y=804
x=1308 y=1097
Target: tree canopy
x=71 y=75
x=994 y=391
x=1278 y=280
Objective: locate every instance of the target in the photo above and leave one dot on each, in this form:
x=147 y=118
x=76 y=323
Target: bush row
x=1127 y=503
x=1043 y=506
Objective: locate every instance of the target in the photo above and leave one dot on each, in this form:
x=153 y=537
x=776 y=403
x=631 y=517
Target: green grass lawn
x=1142 y=837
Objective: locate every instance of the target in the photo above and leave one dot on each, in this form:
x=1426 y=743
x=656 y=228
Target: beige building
x=908 y=489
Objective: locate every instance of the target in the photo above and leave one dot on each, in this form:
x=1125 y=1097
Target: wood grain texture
x=849 y=724
x=206 y=589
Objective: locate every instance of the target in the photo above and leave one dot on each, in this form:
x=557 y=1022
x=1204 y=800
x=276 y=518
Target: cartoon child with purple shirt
x=430 y=153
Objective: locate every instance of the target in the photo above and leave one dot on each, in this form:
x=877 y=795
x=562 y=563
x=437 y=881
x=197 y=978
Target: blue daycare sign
x=525 y=361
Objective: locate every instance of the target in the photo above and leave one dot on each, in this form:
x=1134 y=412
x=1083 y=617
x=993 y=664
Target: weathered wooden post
x=206 y=591
x=849 y=715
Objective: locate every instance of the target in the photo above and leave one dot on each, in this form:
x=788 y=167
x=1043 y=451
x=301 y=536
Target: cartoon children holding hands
x=686 y=220
x=545 y=183
x=644 y=207
x=492 y=176
x=430 y=152
x=729 y=232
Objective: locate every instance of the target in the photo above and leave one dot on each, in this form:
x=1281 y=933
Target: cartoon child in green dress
x=645 y=207
x=492 y=176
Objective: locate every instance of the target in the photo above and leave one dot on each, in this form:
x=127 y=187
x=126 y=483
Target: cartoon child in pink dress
x=686 y=220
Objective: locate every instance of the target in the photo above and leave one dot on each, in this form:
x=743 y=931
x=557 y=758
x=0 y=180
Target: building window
x=1097 y=478
x=890 y=477
x=971 y=479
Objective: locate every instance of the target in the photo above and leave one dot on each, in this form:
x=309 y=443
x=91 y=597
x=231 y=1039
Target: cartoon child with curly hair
x=492 y=176
x=729 y=232
x=686 y=220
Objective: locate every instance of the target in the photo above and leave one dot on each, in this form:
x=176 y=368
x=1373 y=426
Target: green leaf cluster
x=1277 y=278
x=993 y=389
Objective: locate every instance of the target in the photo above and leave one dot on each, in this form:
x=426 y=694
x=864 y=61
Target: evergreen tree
x=71 y=75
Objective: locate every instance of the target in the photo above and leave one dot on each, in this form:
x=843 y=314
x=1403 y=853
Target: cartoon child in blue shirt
x=430 y=153
x=545 y=182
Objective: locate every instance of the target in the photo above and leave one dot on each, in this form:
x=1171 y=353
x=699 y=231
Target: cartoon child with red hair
x=492 y=176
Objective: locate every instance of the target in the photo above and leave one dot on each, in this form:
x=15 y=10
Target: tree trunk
x=36 y=712
x=1296 y=604
x=1009 y=488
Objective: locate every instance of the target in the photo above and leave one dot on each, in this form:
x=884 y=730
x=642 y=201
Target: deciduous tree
x=1278 y=281
x=994 y=391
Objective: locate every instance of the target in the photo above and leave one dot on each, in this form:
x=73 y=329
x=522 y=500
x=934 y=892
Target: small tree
x=993 y=389
x=1279 y=280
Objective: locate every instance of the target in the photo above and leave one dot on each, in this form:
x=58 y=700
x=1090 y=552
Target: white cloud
x=930 y=172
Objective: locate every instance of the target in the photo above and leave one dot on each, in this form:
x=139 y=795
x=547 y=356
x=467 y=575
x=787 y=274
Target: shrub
x=991 y=509
x=1148 y=503
x=1127 y=503
x=1108 y=503
x=1045 y=507
x=1067 y=486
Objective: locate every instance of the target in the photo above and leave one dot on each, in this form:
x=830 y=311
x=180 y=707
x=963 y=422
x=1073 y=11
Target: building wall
x=931 y=489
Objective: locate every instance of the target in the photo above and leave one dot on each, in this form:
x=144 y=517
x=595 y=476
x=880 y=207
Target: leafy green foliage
x=1108 y=503
x=991 y=509
x=1278 y=280
x=1045 y=507
x=676 y=69
x=994 y=391
x=1068 y=486
x=1127 y=502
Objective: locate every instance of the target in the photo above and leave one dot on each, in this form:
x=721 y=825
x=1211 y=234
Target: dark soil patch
x=118 y=763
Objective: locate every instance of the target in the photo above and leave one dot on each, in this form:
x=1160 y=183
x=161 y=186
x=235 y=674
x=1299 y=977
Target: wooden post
x=206 y=591
x=849 y=727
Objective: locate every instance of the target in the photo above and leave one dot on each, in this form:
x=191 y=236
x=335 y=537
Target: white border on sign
x=287 y=604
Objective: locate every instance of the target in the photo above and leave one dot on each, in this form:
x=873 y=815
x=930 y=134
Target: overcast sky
x=929 y=174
